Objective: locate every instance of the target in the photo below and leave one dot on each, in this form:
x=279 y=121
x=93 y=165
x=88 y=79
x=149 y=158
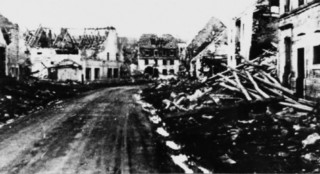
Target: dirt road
x=100 y=132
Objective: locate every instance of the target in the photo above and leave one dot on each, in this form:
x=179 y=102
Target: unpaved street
x=99 y=132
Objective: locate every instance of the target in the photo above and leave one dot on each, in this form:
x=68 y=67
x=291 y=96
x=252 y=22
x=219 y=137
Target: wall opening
x=2 y=61
x=301 y=73
x=115 y=72
x=316 y=54
x=164 y=72
x=88 y=73
x=109 y=73
x=97 y=73
x=287 y=66
x=164 y=62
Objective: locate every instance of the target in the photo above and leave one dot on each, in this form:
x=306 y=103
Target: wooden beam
x=243 y=90
x=256 y=87
x=297 y=106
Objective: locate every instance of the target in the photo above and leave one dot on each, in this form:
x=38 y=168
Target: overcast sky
x=182 y=18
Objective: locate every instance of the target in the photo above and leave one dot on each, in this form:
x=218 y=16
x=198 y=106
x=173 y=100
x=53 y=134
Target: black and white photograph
x=159 y=86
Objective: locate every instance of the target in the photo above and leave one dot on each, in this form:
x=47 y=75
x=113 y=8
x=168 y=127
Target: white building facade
x=299 y=46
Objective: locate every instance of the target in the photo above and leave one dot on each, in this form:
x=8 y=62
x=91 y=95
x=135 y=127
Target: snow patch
x=162 y=132
x=204 y=170
x=311 y=139
x=246 y=122
x=180 y=161
x=173 y=145
x=155 y=119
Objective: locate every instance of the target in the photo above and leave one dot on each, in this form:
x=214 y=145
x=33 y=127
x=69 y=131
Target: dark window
x=69 y=51
x=108 y=56
x=39 y=53
x=274 y=3
x=117 y=56
x=156 y=61
x=146 y=61
x=301 y=2
x=316 y=54
x=115 y=73
x=287 y=6
x=109 y=72
x=88 y=73
x=96 y=73
x=172 y=52
x=171 y=62
x=164 y=62
x=164 y=72
x=171 y=71
x=53 y=74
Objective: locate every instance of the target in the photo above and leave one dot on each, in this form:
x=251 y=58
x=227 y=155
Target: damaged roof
x=153 y=41
x=2 y=41
x=5 y=26
x=87 y=38
x=213 y=29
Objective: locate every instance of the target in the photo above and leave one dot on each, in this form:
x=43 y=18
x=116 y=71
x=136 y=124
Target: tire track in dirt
x=104 y=132
x=54 y=145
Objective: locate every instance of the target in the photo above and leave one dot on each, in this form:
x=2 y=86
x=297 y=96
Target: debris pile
x=19 y=98
x=240 y=120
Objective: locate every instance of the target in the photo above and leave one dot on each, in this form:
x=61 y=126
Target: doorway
x=287 y=67
x=2 y=61
x=301 y=73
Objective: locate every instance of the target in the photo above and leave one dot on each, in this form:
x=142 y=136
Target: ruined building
x=208 y=49
x=3 y=57
x=299 y=46
x=252 y=31
x=80 y=55
x=10 y=48
x=158 y=55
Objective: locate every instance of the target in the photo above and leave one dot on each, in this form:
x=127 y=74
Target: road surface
x=103 y=131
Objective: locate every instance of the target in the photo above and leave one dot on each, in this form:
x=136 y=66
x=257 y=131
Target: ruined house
x=299 y=46
x=208 y=49
x=45 y=50
x=253 y=31
x=101 y=54
x=10 y=48
x=3 y=58
x=158 y=55
x=88 y=55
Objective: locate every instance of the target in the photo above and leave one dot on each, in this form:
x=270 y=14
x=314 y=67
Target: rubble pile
x=241 y=120
x=19 y=98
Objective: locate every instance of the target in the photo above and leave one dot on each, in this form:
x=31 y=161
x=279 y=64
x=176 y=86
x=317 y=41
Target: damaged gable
x=3 y=42
x=212 y=30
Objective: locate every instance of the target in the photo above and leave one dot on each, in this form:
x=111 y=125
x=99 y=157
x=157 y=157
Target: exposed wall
x=3 y=48
x=43 y=58
x=303 y=28
x=107 y=70
x=69 y=74
x=14 y=53
x=195 y=66
x=110 y=46
x=240 y=32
